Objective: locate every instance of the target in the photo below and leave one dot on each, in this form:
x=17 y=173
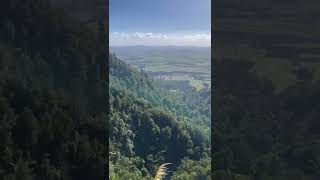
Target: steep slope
x=192 y=105
x=144 y=133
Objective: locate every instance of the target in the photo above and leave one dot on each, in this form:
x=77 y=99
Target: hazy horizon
x=160 y=46
x=163 y=23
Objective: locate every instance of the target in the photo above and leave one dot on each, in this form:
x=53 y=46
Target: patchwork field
x=191 y=64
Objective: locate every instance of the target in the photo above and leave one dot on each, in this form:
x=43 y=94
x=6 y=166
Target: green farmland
x=192 y=64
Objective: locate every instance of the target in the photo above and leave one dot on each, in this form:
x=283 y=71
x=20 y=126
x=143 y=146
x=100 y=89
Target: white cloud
x=158 y=39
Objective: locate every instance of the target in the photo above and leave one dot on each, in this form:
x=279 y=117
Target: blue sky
x=160 y=22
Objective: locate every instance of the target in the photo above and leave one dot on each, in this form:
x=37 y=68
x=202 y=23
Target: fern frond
x=162 y=171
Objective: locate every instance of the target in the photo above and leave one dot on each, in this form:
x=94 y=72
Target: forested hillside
x=150 y=126
x=188 y=104
x=52 y=94
x=260 y=134
x=266 y=99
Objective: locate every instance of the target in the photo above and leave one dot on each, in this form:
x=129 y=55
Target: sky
x=160 y=22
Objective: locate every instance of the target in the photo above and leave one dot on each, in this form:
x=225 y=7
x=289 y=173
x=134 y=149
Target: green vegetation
x=266 y=120
x=53 y=100
x=150 y=126
x=260 y=133
x=190 y=169
x=177 y=63
x=52 y=94
x=273 y=63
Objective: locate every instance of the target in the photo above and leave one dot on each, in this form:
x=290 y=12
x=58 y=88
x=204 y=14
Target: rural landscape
x=73 y=107
x=150 y=125
x=266 y=76
x=159 y=90
x=175 y=63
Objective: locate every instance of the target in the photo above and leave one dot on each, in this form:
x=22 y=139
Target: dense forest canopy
x=52 y=94
x=53 y=99
x=150 y=126
x=266 y=97
x=260 y=133
x=54 y=125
